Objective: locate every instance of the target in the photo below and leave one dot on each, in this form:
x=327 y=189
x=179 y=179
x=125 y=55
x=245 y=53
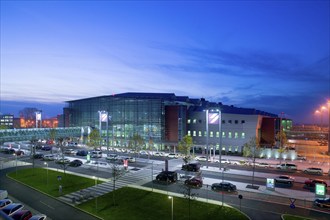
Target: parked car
x=301 y=157
x=96 y=154
x=12 y=208
x=194 y=182
x=129 y=159
x=46 y=148
x=38 y=217
x=287 y=166
x=159 y=154
x=173 y=155
x=322 y=202
x=5 y=202
x=62 y=161
x=75 y=163
x=167 y=176
x=112 y=157
x=194 y=167
x=37 y=156
x=314 y=170
x=49 y=157
x=310 y=183
x=201 y=158
x=82 y=153
x=70 y=151
x=265 y=165
x=22 y=215
x=223 y=186
x=284 y=179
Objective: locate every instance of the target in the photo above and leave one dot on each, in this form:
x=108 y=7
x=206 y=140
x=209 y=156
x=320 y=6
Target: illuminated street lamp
x=323 y=108
x=317 y=112
x=171 y=197
x=47 y=171
x=329 y=127
x=94 y=177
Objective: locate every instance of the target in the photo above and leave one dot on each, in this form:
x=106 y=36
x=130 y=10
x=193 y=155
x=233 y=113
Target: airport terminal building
x=163 y=119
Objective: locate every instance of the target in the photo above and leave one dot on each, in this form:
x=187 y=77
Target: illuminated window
x=204 y=133
x=188 y=121
x=189 y=133
x=243 y=135
x=199 y=134
x=194 y=133
x=236 y=134
x=223 y=134
x=211 y=133
x=217 y=134
x=194 y=121
x=229 y=135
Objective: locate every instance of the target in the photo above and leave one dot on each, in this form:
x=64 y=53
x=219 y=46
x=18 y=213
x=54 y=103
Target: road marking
x=47 y=205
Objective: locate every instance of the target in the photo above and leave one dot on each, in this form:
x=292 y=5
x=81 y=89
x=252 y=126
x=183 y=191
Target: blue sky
x=268 y=55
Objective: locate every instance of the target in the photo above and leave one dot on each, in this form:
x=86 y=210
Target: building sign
x=104 y=116
x=320 y=190
x=270 y=184
x=214 y=118
x=38 y=116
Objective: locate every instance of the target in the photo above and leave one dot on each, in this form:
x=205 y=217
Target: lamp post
x=94 y=177
x=47 y=171
x=15 y=154
x=171 y=197
x=207 y=137
x=329 y=128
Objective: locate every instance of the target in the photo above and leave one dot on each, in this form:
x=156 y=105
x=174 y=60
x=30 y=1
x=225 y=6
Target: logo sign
x=214 y=118
x=320 y=190
x=125 y=163
x=104 y=116
x=38 y=116
x=270 y=184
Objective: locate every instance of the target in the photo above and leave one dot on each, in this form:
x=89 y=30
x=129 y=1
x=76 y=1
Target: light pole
x=15 y=154
x=47 y=171
x=329 y=128
x=171 y=197
x=94 y=177
x=207 y=137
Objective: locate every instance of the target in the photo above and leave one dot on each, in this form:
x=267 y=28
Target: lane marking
x=47 y=205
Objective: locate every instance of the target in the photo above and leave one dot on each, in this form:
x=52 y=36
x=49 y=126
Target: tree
x=117 y=172
x=52 y=134
x=28 y=113
x=94 y=139
x=251 y=149
x=282 y=140
x=184 y=147
x=33 y=142
x=61 y=162
x=135 y=142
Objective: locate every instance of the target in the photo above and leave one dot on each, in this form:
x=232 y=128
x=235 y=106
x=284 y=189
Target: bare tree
x=251 y=149
x=116 y=172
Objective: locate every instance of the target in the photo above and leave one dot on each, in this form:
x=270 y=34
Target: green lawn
x=37 y=178
x=130 y=203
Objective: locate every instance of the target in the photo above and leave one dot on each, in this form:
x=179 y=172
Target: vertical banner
x=213 y=118
x=104 y=116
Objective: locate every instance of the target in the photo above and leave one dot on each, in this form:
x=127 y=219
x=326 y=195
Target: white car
x=201 y=158
x=172 y=155
x=265 y=165
x=314 y=170
x=284 y=179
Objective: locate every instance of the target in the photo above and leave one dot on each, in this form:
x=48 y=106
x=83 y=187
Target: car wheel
x=290 y=183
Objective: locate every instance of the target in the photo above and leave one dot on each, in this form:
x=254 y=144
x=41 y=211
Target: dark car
x=82 y=153
x=223 y=186
x=5 y=202
x=37 y=156
x=312 y=182
x=322 y=203
x=22 y=215
x=46 y=148
x=8 y=151
x=12 y=208
x=75 y=163
x=167 y=176
x=194 y=167
x=194 y=182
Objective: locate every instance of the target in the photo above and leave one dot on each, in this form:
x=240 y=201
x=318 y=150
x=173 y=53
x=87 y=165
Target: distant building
x=163 y=119
x=7 y=120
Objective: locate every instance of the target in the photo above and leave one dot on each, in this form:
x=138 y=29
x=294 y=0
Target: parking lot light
x=171 y=197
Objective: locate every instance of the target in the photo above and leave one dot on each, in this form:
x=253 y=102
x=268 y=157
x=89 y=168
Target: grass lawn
x=135 y=204
x=130 y=203
x=46 y=180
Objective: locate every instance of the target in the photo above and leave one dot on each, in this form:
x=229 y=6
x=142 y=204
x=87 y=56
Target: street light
x=47 y=171
x=15 y=154
x=207 y=137
x=171 y=197
x=94 y=177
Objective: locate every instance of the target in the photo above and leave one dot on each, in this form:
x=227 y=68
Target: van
x=167 y=176
x=194 y=167
x=287 y=166
x=96 y=154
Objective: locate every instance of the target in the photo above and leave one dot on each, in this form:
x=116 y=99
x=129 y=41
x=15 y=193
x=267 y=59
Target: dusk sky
x=268 y=55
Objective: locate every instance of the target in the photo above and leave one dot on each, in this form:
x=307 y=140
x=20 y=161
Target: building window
x=236 y=149
x=204 y=133
x=243 y=121
x=243 y=135
x=229 y=148
x=188 y=121
x=223 y=134
x=223 y=122
x=236 y=121
x=194 y=133
x=194 y=121
x=229 y=135
x=217 y=134
x=229 y=121
x=199 y=134
x=189 y=133
x=236 y=134
x=211 y=133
